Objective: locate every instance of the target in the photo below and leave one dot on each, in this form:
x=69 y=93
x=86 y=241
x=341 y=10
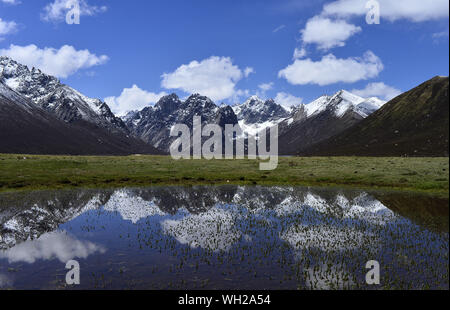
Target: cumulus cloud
x=215 y=77
x=380 y=90
x=239 y=95
x=413 y=10
x=266 y=86
x=287 y=100
x=299 y=53
x=55 y=245
x=56 y=11
x=248 y=71
x=10 y=1
x=7 y=27
x=330 y=70
x=61 y=62
x=263 y=89
x=327 y=33
x=132 y=99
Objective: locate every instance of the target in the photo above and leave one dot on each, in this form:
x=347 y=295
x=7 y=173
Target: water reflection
x=54 y=245
x=226 y=237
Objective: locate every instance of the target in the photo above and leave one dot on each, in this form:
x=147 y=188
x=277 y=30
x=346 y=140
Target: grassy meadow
x=26 y=172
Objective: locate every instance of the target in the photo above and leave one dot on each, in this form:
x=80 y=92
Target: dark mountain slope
x=317 y=128
x=153 y=124
x=320 y=120
x=28 y=129
x=413 y=124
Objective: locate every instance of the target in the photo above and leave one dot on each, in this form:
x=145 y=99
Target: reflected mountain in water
x=26 y=216
x=295 y=237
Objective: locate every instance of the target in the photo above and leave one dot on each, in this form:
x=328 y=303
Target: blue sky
x=132 y=52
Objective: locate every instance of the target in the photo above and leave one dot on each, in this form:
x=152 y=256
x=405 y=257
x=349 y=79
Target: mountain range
x=322 y=119
x=300 y=126
x=40 y=115
x=153 y=124
x=413 y=124
x=28 y=217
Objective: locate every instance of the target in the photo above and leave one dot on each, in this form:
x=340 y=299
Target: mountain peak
x=349 y=97
x=197 y=99
x=168 y=103
x=47 y=92
x=253 y=100
x=415 y=123
x=342 y=102
x=255 y=114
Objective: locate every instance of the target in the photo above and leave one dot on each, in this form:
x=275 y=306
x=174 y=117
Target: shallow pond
x=224 y=237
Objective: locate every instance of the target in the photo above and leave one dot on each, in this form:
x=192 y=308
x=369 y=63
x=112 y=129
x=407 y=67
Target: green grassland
x=24 y=172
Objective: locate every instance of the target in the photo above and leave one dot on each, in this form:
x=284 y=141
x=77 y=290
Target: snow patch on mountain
x=131 y=207
x=342 y=102
x=370 y=106
x=49 y=93
x=256 y=114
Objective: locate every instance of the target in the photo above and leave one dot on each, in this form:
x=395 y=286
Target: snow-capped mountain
x=43 y=215
x=337 y=112
x=39 y=115
x=341 y=103
x=324 y=118
x=255 y=114
x=142 y=131
x=412 y=124
x=46 y=211
x=370 y=105
x=153 y=124
x=60 y=100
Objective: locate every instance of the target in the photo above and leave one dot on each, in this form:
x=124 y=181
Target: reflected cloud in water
x=242 y=237
x=54 y=245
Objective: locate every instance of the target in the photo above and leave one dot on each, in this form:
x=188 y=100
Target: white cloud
x=380 y=90
x=215 y=77
x=437 y=36
x=11 y=1
x=287 y=100
x=132 y=99
x=327 y=33
x=56 y=11
x=331 y=70
x=239 y=95
x=299 y=53
x=61 y=62
x=266 y=86
x=248 y=71
x=55 y=245
x=392 y=10
x=279 y=28
x=7 y=27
